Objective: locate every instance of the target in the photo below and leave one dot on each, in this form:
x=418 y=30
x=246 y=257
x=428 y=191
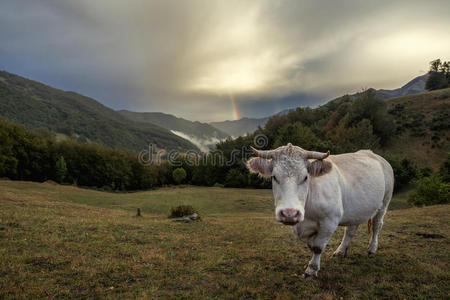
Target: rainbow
x=235 y=107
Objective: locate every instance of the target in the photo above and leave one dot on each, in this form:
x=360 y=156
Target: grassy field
x=65 y=242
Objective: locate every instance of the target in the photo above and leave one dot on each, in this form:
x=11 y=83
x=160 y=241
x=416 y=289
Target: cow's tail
x=369 y=226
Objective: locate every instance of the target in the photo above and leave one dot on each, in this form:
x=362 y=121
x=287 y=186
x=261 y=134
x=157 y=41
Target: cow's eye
x=274 y=178
x=304 y=179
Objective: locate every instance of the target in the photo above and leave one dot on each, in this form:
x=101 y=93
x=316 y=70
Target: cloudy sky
x=215 y=60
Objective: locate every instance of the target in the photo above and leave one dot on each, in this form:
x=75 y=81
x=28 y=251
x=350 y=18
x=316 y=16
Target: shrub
x=430 y=190
x=425 y=172
x=179 y=175
x=404 y=170
x=444 y=192
x=181 y=211
x=444 y=170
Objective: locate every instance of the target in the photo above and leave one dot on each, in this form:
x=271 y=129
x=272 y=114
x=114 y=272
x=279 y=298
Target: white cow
x=316 y=196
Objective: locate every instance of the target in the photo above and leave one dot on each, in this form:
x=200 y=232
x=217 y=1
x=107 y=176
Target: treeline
x=439 y=75
x=37 y=156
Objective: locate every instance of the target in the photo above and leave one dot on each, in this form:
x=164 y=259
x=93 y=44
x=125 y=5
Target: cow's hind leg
x=350 y=232
x=377 y=223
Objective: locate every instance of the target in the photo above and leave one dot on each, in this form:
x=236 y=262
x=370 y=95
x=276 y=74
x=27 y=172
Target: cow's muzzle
x=289 y=216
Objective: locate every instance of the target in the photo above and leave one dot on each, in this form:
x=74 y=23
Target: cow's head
x=290 y=169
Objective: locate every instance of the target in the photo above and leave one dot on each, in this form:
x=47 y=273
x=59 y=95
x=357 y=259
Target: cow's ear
x=260 y=165
x=319 y=167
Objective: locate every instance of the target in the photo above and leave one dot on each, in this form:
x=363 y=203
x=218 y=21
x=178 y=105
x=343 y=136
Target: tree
x=360 y=136
x=297 y=134
x=439 y=75
x=369 y=106
x=435 y=65
x=61 y=169
x=436 y=81
x=179 y=175
x=445 y=68
x=235 y=178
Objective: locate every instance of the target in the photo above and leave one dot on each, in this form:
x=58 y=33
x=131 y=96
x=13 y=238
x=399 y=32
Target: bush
x=444 y=192
x=181 y=211
x=404 y=170
x=425 y=172
x=179 y=175
x=444 y=170
x=430 y=190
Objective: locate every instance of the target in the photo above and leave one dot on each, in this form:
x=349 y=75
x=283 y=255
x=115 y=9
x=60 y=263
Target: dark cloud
x=189 y=57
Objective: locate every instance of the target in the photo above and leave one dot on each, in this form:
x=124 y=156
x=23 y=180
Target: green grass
x=65 y=242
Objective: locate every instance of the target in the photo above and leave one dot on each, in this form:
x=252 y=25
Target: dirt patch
x=430 y=235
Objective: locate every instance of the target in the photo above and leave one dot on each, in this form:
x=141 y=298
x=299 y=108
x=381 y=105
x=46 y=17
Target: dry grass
x=52 y=247
x=421 y=149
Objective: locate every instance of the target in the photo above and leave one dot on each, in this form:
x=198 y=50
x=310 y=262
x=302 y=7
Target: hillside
x=69 y=114
x=202 y=134
x=65 y=242
x=423 y=127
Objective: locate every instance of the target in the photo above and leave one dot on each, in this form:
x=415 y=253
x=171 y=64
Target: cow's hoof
x=307 y=276
x=340 y=254
x=371 y=254
x=310 y=274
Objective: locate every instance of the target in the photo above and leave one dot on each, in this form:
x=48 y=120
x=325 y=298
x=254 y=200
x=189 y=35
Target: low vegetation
x=182 y=211
x=66 y=242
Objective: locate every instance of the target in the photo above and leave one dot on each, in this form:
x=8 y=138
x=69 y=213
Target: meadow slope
x=65 y=242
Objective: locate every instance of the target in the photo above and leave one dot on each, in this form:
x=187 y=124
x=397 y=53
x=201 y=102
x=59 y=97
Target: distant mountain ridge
x=37 y=105
x=240 y=127
x=203 y=135
x=415 y=86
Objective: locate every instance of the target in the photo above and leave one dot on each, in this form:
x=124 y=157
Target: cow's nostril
x=290 y=213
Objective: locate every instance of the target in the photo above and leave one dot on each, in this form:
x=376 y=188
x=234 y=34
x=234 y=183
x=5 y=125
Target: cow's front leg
x=317 y=244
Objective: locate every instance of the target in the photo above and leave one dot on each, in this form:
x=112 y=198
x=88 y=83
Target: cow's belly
x=362 y=202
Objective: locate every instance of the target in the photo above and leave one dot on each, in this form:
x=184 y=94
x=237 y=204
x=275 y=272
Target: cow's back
x=365 y=178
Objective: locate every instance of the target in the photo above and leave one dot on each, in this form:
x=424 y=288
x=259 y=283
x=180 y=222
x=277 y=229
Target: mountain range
x=68 y=114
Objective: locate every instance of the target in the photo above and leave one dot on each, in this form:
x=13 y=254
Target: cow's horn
x=262 y=153
x=317 y=155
